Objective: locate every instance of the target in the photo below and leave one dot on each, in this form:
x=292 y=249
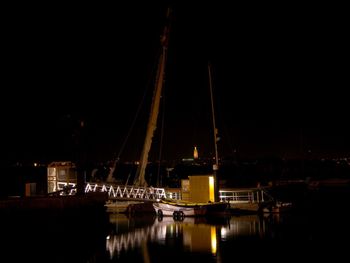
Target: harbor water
x=115 y=237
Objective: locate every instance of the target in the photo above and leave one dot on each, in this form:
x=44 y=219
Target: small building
x=61 y=175
x=198 y=188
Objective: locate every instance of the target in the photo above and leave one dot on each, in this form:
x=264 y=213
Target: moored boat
x=180 y=208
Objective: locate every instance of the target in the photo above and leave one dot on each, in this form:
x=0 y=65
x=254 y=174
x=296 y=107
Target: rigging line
x=229 y=142
x=138 y=110
x=159 y=180
x=152 y=121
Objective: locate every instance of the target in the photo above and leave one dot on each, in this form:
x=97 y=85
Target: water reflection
x=244 y=226
x=252 y=237
x=195 y=235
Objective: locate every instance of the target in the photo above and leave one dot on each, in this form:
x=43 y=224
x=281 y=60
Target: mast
x=215 y=131
x=152 y=122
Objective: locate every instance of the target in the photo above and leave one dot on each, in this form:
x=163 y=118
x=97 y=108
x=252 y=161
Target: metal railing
x=118 y=191
x=253 y=195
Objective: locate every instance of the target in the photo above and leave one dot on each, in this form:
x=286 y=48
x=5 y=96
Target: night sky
x=280 y=74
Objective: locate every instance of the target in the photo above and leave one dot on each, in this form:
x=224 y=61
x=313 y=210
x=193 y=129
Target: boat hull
x=165 y=209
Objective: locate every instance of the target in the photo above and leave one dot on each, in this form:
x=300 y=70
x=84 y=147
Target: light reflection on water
x=195 y=235
x=81 y=237
x=253 y=237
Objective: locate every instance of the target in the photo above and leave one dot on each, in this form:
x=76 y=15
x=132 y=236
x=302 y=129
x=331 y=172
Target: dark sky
x=280 y=74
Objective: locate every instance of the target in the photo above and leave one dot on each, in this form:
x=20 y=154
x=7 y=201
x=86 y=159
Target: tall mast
x=215 y=130
x=152 y=122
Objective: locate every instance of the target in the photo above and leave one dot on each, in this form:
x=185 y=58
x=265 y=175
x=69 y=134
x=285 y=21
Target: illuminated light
x=35 y=164
x=223 y=232
x=211 y=189
x=213 y=240
x=195 y=153
x=187 y=159
x=108 y=237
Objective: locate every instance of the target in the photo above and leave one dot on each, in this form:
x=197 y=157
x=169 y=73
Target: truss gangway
x=126 y=191
x=129 y=192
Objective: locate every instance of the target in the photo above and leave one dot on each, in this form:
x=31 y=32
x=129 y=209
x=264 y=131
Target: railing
x=253 y=195
x=117 y=191
x=173 y=193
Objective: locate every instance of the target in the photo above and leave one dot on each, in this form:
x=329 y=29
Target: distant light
x=35 y=164
x=195 y=153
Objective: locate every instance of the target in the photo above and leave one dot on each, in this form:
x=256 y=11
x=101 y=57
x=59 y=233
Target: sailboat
x=178 y=208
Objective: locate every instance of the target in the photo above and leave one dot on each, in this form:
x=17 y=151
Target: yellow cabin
x=198 y=189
